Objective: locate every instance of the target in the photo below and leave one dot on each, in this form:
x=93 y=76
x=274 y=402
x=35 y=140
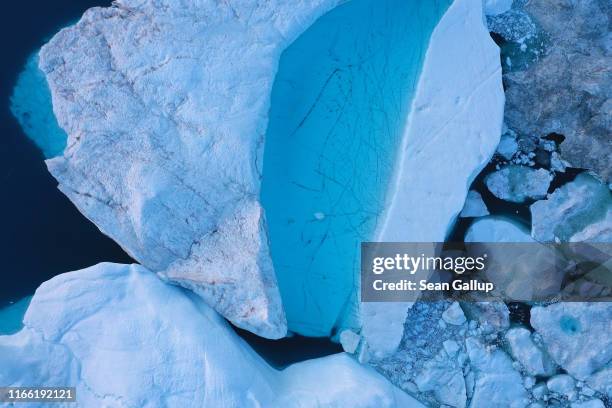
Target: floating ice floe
x=534 y=360
x=576 y=335
x=563 y=385
x=519 y=183
x=123 y=337
x=494 y=7
x=166 y=130
x=474 y=206
x=508 y=146
x=497 y=229
x=497 y=383
x=511 y=268
x=580 y=210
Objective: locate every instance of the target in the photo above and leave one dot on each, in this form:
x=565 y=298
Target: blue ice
x=11 y=317
x=339 y=107
x=31 y=105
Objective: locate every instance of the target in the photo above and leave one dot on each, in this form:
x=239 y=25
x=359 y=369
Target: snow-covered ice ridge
x=165 y=110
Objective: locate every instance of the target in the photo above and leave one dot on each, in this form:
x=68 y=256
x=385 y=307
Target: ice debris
x=474 y=205
x=533 y=359
x=518 y=183
x=580 y=210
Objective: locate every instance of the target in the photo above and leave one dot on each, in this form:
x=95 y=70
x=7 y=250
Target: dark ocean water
x=42 y=233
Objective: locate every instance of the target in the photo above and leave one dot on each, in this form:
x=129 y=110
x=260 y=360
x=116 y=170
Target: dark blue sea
x=42 y=233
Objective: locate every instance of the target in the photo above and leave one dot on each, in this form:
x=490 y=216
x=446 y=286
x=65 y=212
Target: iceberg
x=162 y=131
x=580 y=210
x=165 y=134
x=168 y=349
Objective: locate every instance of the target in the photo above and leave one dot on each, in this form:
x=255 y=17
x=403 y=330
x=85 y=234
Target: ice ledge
x=452 y=132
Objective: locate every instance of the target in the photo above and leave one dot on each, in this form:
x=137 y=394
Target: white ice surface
x=124 y=338
x=578 y=336
x=474 y=205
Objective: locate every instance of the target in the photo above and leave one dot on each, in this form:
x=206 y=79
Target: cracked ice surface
x=168 y=349
x=165 y=108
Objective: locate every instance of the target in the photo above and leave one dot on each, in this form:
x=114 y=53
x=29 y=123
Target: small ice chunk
x=556 y=163
x=454 y=315
x=539 y=390
x=495 y=7
x=444 y=378
x=319 y=216
x=578 y=211
x=562 y=384
x=451 y=347
x=498 y=384
x=508 y=146
x=526 y=352
x=492 y=316
x=602 y=381
x=474 y=205
x=349 y=340
x=519 y=183
x=594 y=403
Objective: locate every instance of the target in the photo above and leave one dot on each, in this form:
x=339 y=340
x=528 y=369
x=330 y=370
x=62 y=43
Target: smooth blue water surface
x=339 y=107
